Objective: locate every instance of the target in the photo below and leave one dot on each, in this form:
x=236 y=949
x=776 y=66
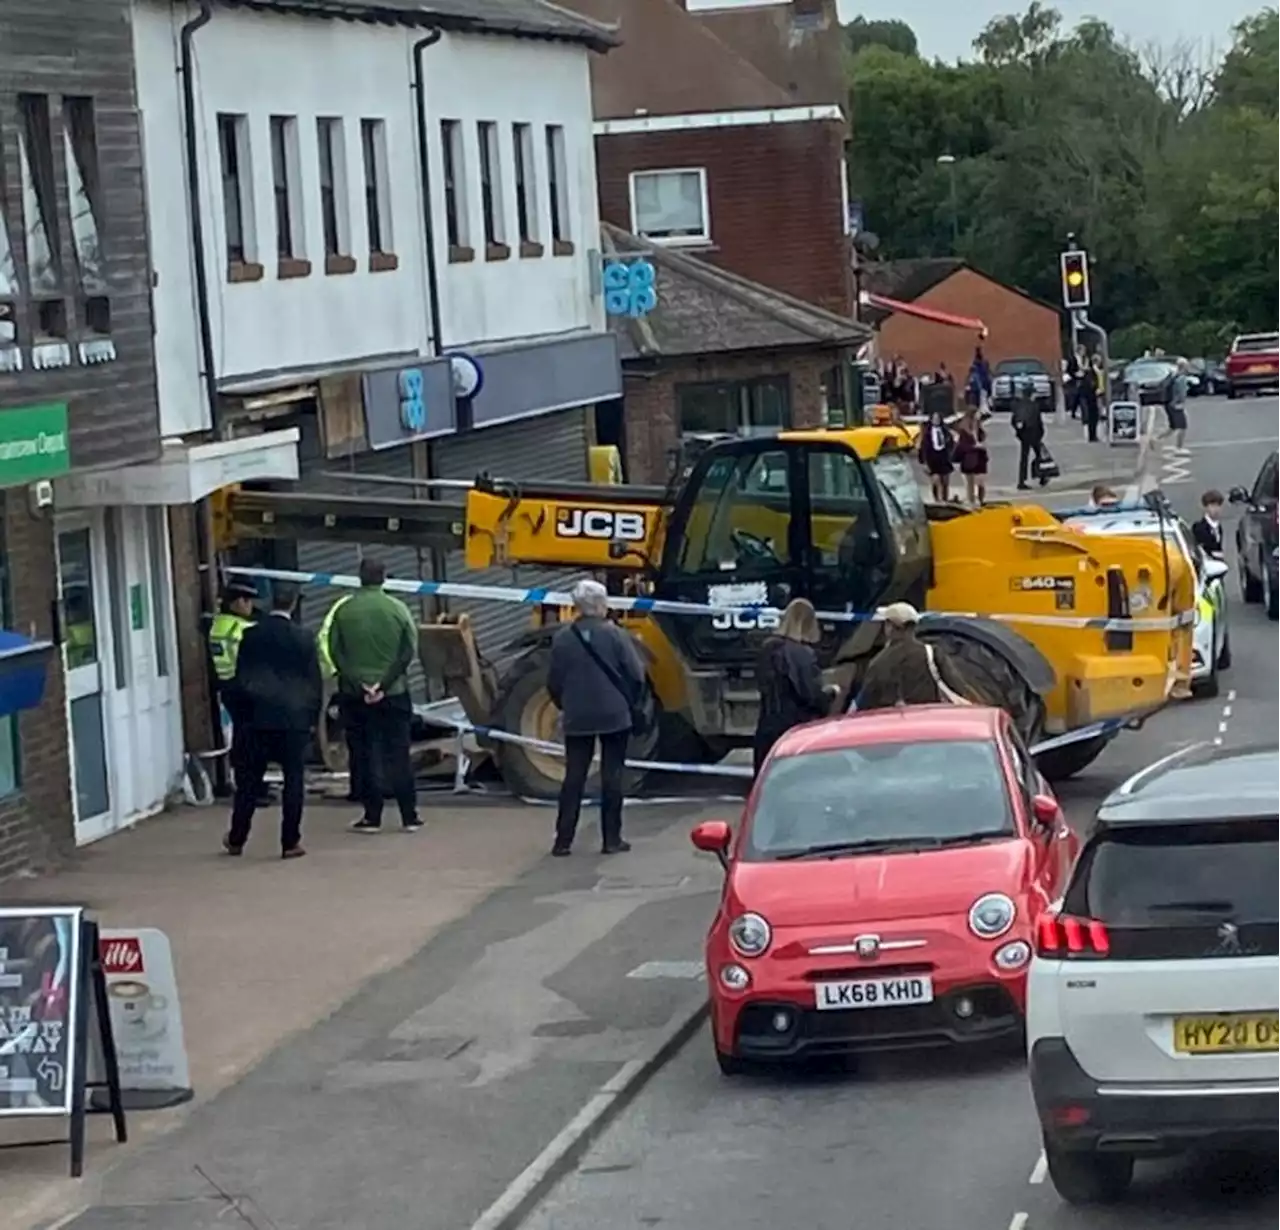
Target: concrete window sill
x=460 y=254
x=562 y=247
x=497 y=252
x=291 y=267
x=529 y=250
x=244 y=271
x=339 y=264
x=383 y=262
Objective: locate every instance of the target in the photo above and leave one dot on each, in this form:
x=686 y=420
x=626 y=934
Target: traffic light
x=1075 y=279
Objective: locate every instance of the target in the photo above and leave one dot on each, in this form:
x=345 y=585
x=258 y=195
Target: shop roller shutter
x=403 y=563
x=551 y=448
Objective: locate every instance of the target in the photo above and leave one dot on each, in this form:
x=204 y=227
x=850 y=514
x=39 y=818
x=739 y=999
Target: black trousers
x=355 y=763
x=380 y=756
x=288 y=749
x=1091 y=416
x=1026 y=450
x=578 y=750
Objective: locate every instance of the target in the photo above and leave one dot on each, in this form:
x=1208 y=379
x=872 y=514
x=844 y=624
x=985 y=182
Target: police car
x=1211 y=646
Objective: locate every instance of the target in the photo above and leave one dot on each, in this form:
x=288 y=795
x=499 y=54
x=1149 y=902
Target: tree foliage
x=1163 y=165
x=894 y=34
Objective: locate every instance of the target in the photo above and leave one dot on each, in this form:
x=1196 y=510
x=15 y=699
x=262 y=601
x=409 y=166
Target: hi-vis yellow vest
x=225 y=634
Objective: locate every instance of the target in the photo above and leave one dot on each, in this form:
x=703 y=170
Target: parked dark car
x=1213 y=378
x=1008 y=378
x=1256 y=539
x=1149 y=381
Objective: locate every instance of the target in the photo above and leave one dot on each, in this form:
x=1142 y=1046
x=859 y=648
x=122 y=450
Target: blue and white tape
x=1095 y=730
x=544 y=596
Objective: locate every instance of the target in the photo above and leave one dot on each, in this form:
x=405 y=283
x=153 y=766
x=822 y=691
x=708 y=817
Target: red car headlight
x=992 y=915
x=750 y=935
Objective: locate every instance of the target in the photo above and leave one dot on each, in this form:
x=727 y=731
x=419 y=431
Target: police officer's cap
x=239 y=589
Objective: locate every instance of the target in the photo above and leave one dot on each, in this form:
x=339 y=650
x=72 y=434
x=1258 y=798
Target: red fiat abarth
x=882 y=889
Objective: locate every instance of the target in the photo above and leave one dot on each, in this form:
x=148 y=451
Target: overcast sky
x=947 y=29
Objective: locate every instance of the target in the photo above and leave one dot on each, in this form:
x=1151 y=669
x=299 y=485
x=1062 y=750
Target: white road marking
x=691 y=970
x=1040 y=1169
x=1271 y=440
x=1019 y=1221
x=1226 y=718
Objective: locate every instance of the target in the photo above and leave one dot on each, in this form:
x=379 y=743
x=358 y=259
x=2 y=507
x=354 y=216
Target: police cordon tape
x=543 y=596
x=440 y=716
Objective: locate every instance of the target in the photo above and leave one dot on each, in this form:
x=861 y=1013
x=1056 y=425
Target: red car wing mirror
x=1045 y=811
x=713 y=837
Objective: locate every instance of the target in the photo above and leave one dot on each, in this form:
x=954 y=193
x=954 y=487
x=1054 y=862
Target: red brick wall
x=774 y=194
x=36 y=825
x=1017 y=328
x=651 y=432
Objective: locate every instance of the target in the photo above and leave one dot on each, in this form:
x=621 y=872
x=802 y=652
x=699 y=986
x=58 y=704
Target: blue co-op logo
x=413 y=410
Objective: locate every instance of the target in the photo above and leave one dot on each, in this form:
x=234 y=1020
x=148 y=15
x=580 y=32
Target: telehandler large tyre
x=994 y=679
x=524 y=707
x=1061 y=763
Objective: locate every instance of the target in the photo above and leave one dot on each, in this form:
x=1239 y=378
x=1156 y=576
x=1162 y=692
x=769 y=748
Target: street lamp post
x=949 y=161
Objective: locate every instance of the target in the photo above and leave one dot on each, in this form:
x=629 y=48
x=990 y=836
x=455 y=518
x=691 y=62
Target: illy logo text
x=600 y=523
x=122 y=956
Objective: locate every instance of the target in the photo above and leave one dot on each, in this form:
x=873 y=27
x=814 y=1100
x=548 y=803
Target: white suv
x=1152 y=998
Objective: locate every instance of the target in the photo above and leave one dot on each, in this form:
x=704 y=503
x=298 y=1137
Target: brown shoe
x=293 y=852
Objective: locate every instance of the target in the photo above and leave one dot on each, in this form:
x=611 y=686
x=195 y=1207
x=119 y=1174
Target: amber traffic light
x=1075 y=279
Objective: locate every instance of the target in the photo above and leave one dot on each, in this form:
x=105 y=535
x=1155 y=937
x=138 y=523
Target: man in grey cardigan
x=597 y=682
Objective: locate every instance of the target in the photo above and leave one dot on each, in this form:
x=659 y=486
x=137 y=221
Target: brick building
x=1018 y=325
x=77 y=394
x=724 y=135
x=719 y=355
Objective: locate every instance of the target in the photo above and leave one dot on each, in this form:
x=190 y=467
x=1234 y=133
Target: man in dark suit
x=278 y=675
x=1208 y=530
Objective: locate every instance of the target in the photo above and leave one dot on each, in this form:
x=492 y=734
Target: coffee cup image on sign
x=138 y=1009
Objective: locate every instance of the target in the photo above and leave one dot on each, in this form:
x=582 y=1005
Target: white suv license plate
x=874 y=993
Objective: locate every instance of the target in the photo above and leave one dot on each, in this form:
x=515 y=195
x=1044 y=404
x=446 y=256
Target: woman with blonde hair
x=789 y=678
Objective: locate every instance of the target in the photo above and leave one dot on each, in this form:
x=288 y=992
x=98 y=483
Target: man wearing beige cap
x=907 y=671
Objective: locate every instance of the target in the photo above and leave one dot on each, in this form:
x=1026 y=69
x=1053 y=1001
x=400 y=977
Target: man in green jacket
x=372 y=643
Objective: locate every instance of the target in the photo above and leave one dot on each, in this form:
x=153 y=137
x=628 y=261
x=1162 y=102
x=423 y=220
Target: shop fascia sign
x=630 y=287
x=34 y=444
x=468 y=379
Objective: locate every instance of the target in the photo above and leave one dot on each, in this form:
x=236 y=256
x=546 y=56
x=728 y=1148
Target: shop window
x=10 y=748
x=734 y=407
x=35 y=149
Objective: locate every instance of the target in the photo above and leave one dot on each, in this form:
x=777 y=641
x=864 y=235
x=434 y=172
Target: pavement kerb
x=560 y=1155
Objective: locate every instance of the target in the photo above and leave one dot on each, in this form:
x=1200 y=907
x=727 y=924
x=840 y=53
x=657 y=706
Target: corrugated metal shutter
x=553 y=448
x=403 y=563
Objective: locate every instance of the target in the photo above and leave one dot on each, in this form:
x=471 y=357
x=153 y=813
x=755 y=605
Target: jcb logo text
x=746 y=620
x=600 y=523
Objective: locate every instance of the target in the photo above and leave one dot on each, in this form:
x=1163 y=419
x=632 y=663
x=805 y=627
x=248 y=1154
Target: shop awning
x=22 y=671
x=184 y=473
x=886 y=304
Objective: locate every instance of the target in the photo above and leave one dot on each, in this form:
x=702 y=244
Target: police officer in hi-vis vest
x=355 y=787
x=234 y=618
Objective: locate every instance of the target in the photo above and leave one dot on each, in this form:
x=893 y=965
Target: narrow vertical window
x=377 y=195
x=455 y=193
x=236 y=172
x=526 y=189
x=333 y=196
x=10 y=354
x=495 y=231
x=285 y=181
x=84 y=188
x=35 y=157
x=558 y=191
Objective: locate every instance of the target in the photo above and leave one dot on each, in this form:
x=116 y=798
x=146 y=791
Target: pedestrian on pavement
x=234 y=618
x=907 y=671
x=1028 y=426
x=980 y=378
x=972 y=457
x=1090 y=393
x=1176 y=408
x=1207 y=532
x=789 y=679
x=278 y=678
x=373 y=641
x=1077 y=360
x=937 y=450
x=597 y=681
x=341 y=706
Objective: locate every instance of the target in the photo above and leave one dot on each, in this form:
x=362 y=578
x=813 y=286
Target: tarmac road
x=937 y=1141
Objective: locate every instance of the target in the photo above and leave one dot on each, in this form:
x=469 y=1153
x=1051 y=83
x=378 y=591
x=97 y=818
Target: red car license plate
x=874 y=993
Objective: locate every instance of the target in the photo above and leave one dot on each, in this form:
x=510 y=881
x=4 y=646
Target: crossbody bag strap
x=609 y=673
x=945 y=692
